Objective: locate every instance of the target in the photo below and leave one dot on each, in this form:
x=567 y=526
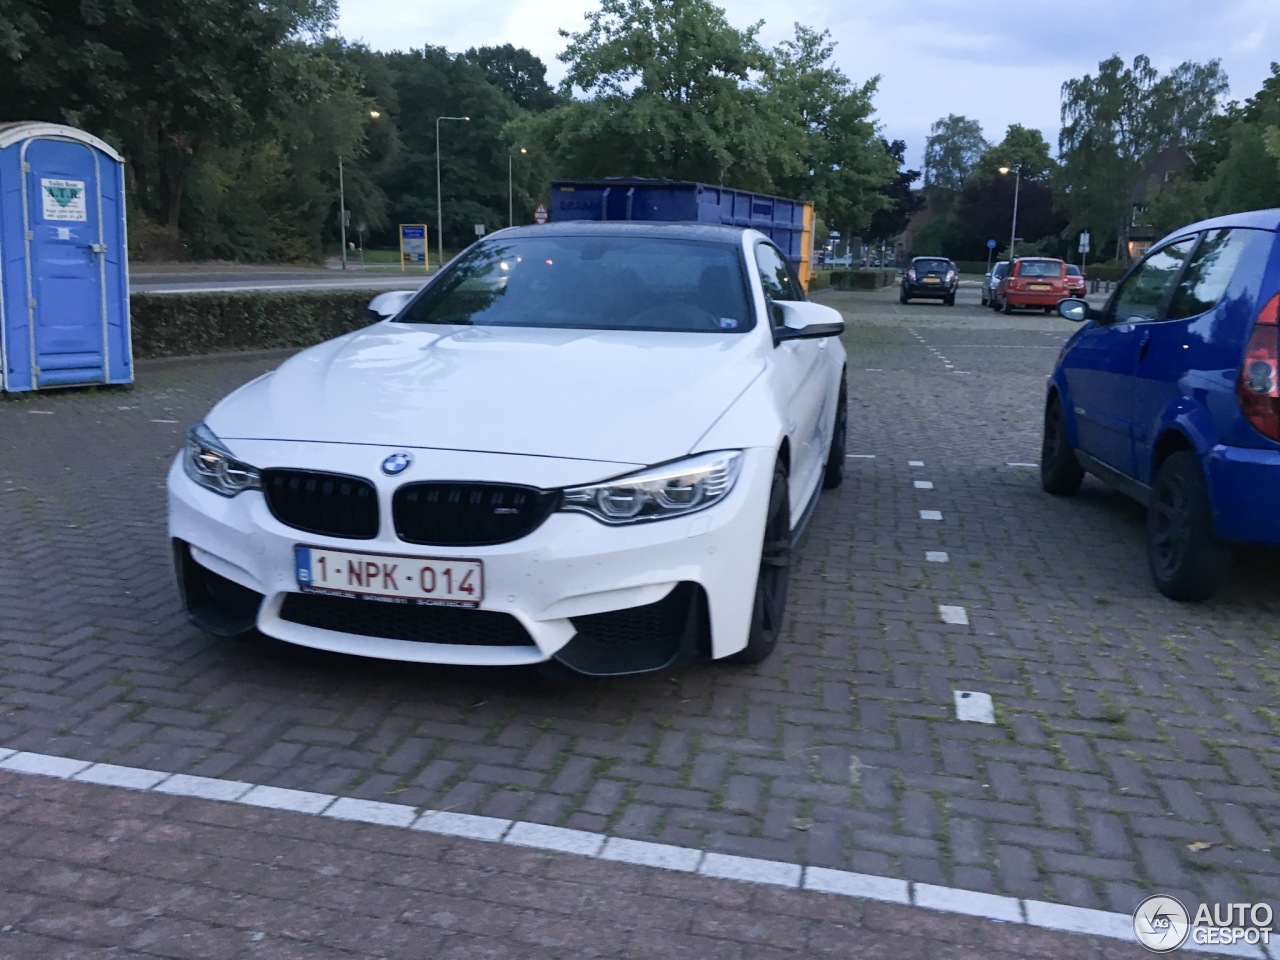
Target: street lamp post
x=511 y=216
x=439 y=201
x=342 y=205
x=1017 y=182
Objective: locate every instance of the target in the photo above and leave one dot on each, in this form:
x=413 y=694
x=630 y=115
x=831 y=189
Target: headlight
x=671 y=490
x=211 y=464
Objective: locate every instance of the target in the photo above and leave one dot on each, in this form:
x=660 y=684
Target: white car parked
x=588 y=442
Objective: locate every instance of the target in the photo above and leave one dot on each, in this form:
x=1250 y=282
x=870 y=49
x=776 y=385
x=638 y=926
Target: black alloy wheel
x=770 y=606
x=1060 y=472
x=1187 y=561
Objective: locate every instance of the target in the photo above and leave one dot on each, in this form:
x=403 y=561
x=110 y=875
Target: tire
x=984 y=298
x=950 y=300
x=770 y=604
x=995 y=304
x=1187 y=561
x=1060 y=472
x=833 y=474
x=1007 y=309
x=902 y=296
x=1048 y=309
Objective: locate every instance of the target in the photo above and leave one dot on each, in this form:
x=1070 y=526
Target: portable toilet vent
x=64 y=266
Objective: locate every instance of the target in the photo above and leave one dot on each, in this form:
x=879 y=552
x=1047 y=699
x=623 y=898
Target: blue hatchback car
x=1171 y=393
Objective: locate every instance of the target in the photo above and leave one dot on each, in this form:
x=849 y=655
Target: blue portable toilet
x=64 y=265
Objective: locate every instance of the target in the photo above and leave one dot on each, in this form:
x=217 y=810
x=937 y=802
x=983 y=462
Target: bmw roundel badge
x=396 y=464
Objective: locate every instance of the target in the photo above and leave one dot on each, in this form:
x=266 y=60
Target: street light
x=511 y=217
x=342 y=204
x=439 y=201
x=1017 y=182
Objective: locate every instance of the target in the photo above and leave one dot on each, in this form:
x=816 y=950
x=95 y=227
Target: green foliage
x=1022 y=149
x=954 y=147
x=864 y=279
x=178 y=325
x=1114 y=124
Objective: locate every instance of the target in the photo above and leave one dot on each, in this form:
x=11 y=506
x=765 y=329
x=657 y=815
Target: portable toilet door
x=64 y=289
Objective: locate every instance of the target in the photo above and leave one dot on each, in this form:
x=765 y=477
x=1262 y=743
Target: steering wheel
x=678 y=313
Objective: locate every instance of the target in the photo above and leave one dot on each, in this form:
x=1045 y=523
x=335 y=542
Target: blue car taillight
x=1258 y=383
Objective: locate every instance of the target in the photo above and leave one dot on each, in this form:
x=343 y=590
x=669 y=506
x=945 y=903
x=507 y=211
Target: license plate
x=1040 y=286
x=932 y=280
x=422 y=581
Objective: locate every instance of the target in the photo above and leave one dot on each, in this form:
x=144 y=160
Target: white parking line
x=953 y=900
x=937 y=556
x=974 y=707
x=915 y=463
x=924 y=484
x=930 y=514
x=1022 y=464
x=860 y=456
x=958 y=616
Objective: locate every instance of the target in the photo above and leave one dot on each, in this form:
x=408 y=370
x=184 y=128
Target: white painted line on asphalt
x=1057 y=916
x=1037 y=913
x=1022 y=464
x=860 y=885
x=970 y=902
x=563 y=840
x=956 y=615
x=110 y=775
x=930 y=514
x=372 y=811
x=874 y=370
x=646 y=854
x=282 y=798
x=164 y=421
x=44 y=413
x=949 y=366
x=915 y=463
x=924 y=484
x=750 y=870
x=937 y=556
x=974 y=707
x=203 y=788
x=43 y=764
x=462 y=825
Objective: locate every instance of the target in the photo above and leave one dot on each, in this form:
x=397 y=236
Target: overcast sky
x=997 y=62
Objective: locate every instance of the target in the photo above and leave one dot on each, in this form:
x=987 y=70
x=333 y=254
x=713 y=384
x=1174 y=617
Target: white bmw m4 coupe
x=593 y=443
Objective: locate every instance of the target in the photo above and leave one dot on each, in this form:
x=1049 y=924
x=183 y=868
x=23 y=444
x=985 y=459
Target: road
x=1135 y=748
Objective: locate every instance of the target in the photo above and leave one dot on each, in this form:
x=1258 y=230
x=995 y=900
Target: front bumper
x=574 y=589
x=1242 y=486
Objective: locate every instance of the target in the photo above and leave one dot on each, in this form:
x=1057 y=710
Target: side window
x=1209 y=272
x=1142 y=293
x=776 y=275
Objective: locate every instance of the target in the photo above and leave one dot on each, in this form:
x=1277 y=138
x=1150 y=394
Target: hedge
x=192 y=324
x=862 y=279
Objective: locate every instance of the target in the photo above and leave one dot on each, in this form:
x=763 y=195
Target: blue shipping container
x=64 y=283
x=788 y=223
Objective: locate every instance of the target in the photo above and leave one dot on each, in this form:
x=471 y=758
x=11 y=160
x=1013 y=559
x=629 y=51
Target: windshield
x=1040 y=268
x=1073 y=270
x=592 y=282
x=932 y=266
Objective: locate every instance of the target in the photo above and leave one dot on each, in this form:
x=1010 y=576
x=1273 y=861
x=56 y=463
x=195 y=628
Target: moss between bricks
x=193 y=324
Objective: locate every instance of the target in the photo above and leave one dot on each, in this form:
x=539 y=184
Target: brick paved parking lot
x=1136 y=744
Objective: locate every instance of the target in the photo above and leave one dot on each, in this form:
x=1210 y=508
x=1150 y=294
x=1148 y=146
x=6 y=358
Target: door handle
x=1142 y=347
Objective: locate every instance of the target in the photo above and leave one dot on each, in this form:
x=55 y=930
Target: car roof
x=939 y=257
x=628 y=228
x=1257 y=219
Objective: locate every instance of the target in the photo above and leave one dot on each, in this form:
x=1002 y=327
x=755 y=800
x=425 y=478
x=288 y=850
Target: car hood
x=626 y=397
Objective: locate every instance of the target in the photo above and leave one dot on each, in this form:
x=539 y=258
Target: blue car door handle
x=1142 y=347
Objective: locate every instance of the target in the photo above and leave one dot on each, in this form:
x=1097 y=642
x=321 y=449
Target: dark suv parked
x=933 y=277
x=1171 y=394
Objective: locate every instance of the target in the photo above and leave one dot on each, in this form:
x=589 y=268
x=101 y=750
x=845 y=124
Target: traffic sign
x=1084 y=242
x=540 y=214
x=991 y=244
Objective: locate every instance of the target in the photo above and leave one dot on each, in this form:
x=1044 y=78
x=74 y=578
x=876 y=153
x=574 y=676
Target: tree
x=890 y=221
x=954 y=146
x=668 y=80
x=1115 y=123
x=831 y=152
x=517 y=73
x=1022 y=149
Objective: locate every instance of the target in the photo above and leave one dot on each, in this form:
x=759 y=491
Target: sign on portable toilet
x=64 y=264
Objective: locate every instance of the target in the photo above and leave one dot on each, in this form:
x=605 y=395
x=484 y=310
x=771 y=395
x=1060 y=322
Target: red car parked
x=1032 y=282
x=1075 y=281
